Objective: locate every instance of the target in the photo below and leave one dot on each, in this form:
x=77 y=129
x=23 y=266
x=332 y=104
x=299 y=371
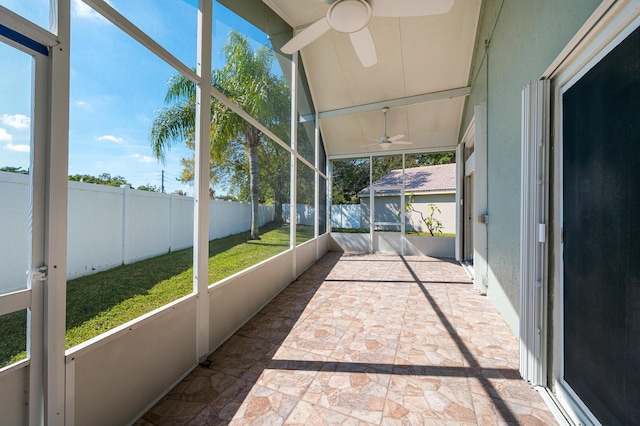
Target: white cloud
x=110 y=138
x=81 y=10
x=143 y=158
x=17 y=121
x=17 y=148
x=82 y=104
x=4 y=136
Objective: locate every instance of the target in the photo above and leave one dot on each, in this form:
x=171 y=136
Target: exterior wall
x=523 y=40
x=387 y=208
x=446 y=203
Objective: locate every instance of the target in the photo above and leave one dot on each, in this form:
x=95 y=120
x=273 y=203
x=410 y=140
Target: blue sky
x=116 y=86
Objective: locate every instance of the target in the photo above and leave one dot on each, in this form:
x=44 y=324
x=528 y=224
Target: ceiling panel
x=416 y=55
x=383 y=80
x=428 y=125
x=437 y=49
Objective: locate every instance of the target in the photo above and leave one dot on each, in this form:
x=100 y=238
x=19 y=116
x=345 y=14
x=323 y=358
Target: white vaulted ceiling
x=421 y=63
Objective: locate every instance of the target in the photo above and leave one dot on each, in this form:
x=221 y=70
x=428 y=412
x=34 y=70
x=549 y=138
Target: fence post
x=125 y=223
x=216 y=230
x=171 y=219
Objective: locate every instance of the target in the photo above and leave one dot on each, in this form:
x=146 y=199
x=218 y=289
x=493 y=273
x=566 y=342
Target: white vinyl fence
x=304 y=214
x=109 y=226
x=346 y=216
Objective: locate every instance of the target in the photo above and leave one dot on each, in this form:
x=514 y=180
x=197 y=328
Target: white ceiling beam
x=409 y=100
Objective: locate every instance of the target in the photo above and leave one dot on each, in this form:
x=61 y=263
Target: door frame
x=32 y=297
x=476 y=165
x=46 y=292
x=468 y=218
x=610 y=24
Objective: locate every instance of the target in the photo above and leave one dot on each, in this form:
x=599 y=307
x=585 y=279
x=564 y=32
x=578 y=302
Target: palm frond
x=171 y=125
x=180 y=89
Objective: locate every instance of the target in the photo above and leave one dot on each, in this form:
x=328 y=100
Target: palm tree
x=245 y=79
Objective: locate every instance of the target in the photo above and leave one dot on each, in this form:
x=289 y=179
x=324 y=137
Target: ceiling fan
x=352 y=17
x=385 y=142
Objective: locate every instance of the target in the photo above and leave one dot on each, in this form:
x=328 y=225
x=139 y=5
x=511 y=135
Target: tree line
x=102 y=179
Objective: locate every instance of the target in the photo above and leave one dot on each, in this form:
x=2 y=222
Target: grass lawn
x=100 y=302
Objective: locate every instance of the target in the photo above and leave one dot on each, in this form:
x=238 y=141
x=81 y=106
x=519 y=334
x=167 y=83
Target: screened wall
x=150 y=143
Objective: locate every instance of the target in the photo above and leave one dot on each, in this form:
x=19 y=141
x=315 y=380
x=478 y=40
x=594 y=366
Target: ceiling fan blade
x=402 y=143
x=309 y=34
x=378 y=142
x=396 y=137
x=365 y=48
x=409 y=8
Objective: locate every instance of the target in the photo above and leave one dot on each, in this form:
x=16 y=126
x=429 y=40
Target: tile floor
x=364 y=340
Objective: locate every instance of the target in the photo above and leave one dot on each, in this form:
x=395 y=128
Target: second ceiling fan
x=352 y=17
x=385 y=141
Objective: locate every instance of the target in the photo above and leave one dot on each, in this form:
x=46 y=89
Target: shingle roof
x=420 y=179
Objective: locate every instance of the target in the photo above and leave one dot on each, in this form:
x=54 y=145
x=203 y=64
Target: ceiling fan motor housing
x=349 y=16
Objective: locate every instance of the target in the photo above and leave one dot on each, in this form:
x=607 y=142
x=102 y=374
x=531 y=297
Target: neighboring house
x=426 y=185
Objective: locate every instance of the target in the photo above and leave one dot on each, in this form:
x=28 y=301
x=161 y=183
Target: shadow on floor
x=385 y=343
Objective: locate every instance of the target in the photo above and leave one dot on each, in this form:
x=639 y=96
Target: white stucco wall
x=446 y=203
x=387 y=208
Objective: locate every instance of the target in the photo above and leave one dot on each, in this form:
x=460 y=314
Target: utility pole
x=162 y=190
